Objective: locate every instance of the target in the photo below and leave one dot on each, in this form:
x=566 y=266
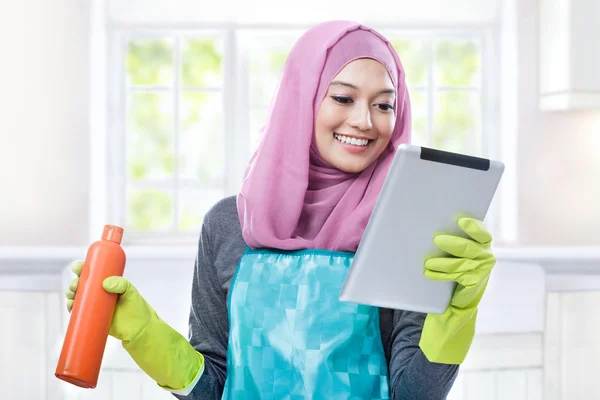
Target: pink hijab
x=290 y=198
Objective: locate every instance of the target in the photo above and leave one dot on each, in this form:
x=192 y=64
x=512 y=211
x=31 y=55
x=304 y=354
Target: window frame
x=111 y=172
x=117 y=137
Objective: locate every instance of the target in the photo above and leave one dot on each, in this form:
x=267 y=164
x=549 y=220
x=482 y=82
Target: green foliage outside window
x=457 y=66
x=150 y=137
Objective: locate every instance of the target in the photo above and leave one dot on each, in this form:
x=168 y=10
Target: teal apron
x=291 y=338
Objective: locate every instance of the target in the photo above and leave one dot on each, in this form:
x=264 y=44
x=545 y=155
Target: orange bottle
x=91 y=316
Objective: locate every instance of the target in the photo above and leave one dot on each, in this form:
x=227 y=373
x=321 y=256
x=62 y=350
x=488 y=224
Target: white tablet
x=424 y=192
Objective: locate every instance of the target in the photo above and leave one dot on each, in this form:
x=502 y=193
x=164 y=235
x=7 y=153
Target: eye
x=385 y=107
x=342 y=99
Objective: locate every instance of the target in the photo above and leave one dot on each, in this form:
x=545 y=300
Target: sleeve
x=412 y=376
x=208 y=324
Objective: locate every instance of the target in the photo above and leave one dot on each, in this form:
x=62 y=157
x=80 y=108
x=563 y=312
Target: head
x=356 y=118
x=303 y=187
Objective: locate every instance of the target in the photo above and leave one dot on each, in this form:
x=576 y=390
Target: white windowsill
x=46 y=268
x=28 y=260
x=49 y=260
x=566 y=269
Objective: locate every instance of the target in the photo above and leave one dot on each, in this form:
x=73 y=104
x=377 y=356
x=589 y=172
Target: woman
x=265 y=320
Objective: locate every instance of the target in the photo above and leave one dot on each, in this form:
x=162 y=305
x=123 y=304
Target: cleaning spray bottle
x=93 y=308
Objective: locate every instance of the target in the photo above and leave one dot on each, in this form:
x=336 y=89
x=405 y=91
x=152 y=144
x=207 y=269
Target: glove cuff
x=447 y=338
x=188 y=389
x=166 y=356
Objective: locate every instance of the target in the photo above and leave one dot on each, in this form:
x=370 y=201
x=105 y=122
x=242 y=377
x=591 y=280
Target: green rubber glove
x=446 y=338
x=159 y=350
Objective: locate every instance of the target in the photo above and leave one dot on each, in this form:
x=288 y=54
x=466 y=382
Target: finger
x=475 y=229
x=450 y=265
x=467 y=279
x=460 y=247
x=457 y=277
x=76 y=267
x=441 y=276
x=116 y=284
x=70 y=305
x=70 y=294
x=74 y=285
x=466 y=296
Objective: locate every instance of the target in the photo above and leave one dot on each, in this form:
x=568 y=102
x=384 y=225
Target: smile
x=352 y=141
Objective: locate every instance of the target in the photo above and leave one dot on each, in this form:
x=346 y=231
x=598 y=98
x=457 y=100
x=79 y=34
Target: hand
x=159 y=350
x=447 y=338
x=132 y=312
x=470 y=262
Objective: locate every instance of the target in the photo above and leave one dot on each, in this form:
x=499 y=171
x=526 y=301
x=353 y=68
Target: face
x=356 y=119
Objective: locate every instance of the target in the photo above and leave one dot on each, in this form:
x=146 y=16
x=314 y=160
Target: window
x=187 y=100
x=444 y=78
x=173 y=119
x=266 y=52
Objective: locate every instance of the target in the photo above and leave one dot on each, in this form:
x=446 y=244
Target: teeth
x=353 y=141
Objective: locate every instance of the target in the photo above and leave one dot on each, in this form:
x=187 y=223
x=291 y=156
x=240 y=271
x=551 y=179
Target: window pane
x=456 y=123
x=149 y=210
x=414 y=59
x=457 y=63
x=193 y=205
x=420 y=122
x=149 y=136
x=202 y=142
x=265 y=72
x=202 y=63
x=150 y=62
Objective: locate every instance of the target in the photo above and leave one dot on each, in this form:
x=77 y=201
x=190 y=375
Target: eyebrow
x=390 y=91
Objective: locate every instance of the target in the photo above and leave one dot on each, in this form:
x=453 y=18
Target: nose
x=361 y=117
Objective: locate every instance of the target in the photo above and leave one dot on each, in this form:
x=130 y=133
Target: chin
x=350 y=167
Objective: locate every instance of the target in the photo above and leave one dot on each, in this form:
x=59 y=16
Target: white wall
x=558 y=166
x=43 y=122
x=571 y=346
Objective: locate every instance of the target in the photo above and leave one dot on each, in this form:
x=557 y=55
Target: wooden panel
x=552 y=345
x=511 y=385
x=54 y=336
x=480 y=385
x=127 y=385
x=535 y=385
x=22 y=345
x=151 y=391
x=103 y=391
x=457 y=392
x=580 y=350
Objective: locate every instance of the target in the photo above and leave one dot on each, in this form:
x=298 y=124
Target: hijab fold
x=290 y=198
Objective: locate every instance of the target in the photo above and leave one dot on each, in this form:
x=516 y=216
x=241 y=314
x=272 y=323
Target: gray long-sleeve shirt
x=221 y=245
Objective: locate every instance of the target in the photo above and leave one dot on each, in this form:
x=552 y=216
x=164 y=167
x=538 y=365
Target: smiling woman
x=308 y=190
x=357 y=117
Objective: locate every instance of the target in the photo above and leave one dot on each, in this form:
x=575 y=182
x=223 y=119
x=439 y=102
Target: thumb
x=116 y=284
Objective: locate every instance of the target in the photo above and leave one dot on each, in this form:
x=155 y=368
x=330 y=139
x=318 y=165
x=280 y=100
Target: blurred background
x=145 y=113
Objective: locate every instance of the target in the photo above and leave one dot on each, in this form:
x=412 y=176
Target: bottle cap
x=113 y=233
